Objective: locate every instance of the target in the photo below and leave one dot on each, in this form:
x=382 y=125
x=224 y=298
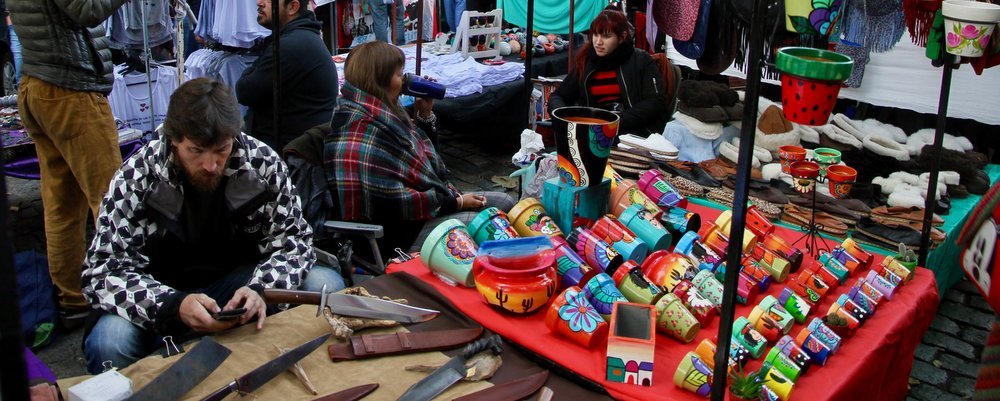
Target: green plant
x=906 y=254
x=746 y=386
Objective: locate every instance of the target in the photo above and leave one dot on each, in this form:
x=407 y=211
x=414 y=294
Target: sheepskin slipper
x=886 y=147
x=852 y=127
x=915 y=143
x=906 y=197
x=770 y=171
x=732 y=153
x=760 y=153
x=838 y=135
x=807 y=133
x=710 y=131
x=903 y=176
x=897 y=134
x=947 y=177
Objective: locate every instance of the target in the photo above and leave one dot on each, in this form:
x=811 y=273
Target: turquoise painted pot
x=449 y=252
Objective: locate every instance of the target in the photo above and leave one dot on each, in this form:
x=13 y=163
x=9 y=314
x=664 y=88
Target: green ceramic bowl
x=806 y=62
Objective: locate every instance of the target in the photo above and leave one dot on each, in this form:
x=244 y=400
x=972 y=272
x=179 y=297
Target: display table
x=874 y=364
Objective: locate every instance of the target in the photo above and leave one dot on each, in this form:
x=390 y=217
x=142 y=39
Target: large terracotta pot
x=584 y=137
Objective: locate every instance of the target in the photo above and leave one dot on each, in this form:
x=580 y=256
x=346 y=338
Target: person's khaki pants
x=77 y=144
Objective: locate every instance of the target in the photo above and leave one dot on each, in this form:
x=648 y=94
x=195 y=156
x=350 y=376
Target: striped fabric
x=604 y=87
x=988 y=383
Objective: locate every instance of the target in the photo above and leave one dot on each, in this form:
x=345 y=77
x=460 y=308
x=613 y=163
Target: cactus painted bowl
x=516 y=275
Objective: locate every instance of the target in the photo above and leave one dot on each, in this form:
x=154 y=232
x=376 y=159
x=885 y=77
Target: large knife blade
x=351 y=305
x=517 y=389
x=189 y=370
x=352 y=394
x=451 y=372
x=250 y=382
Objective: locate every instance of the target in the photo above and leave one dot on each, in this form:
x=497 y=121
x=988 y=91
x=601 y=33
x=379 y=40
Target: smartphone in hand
x=231 y=314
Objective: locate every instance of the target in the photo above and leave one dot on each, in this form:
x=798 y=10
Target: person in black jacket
x=608 y=73
x=308 y=77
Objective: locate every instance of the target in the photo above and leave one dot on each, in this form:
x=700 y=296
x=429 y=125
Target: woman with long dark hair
x=608 y=73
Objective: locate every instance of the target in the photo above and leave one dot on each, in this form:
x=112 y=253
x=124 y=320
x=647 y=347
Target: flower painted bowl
x=968 y=26
x=449 y=252
x=516 y=275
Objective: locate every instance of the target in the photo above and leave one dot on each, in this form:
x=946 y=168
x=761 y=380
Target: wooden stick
x=299 y=372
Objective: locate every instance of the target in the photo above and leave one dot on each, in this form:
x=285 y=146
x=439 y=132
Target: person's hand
x=423 y=107
x=471 y=202
x=196 y=310
x=251 y=300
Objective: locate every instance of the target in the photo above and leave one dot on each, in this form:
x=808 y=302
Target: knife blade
x=352 y=394
x=451 y=372
x=352 y=305
x=250 y=382
x=189 y=370
x=517 y=389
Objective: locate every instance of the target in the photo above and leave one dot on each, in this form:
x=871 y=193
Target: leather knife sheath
x=375 y=345
x=512 y=390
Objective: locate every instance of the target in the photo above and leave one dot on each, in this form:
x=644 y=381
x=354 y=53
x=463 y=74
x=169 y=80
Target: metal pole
x=734 y=252
x=334 y=28
x=14 y=374
x=528 y=44
x=145 y=60
x=932 y=181
x=420 y=34
x=572 y=32
x=276 y=70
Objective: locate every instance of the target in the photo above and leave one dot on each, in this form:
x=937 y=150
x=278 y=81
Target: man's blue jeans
x=117 y=340
x=453 y=13
x=15 y=50
x=380 y=20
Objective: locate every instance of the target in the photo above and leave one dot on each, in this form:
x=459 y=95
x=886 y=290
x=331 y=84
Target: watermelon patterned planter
x=810 y=82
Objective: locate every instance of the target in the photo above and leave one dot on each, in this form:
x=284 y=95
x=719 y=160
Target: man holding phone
x=193 y=227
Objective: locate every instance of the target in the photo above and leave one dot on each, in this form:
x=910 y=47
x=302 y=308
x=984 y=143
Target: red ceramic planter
x=513 y=279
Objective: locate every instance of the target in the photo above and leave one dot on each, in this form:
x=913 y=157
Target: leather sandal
x=839 y=212
x=824 y=221
x=685 y=186
x=904 y=214
x=889 y=236
x=937 y=235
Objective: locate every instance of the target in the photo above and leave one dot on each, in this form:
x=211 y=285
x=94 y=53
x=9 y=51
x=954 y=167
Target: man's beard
x=204 y=182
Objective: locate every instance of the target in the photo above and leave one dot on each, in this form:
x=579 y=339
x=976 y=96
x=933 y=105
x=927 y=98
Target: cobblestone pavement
x=946 y=362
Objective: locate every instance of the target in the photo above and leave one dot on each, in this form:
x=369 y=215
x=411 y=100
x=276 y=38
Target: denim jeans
x=453 y=13
x=15 y=50
x=380 y=20
x=116 y=340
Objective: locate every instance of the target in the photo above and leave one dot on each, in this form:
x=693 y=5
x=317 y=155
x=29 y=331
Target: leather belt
x=375 y=345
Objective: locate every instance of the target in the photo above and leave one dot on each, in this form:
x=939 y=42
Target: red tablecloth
x=873 y=364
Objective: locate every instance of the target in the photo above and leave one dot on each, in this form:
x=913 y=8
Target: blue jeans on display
x=453 y=13
x=15 y=50
x=380 y=20
x=117 y=340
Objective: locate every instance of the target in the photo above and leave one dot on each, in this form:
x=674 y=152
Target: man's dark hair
x=204 y=111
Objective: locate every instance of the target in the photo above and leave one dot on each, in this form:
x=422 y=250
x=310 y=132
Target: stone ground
x=946 y=362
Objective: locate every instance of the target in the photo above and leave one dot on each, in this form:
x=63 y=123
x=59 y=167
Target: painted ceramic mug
x=789 y=154
x=748 y=337
x=823 y=333
x=708 y=286
x=841 y=180
x=666 y=269
x=794 y=352
x=491 y=224
x=516 y=275
x=530 y=220
x=675 y=320
x=602 y=293
x=693 y=375
x=654 y=184
x=620 y=238
x=772 y=308
x=570 y=267
x=826 y=157
x=626 y=194
x=776 y=244
x=634 y=285
x=794 y=305
x=584 y=137
x=594 y=250
x=572 y=316
x=643 y=223
x=881 y=284
x=804 y=175
x=818 y=351
x=679 y=221
x=449 y=252
x=702 y=309
x=782 y=363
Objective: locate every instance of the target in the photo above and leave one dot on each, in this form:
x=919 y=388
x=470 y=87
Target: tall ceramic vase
x=584 y=137
x=810 y=82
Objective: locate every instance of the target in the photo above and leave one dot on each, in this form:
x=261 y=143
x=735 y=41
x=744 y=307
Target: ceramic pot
x=823 y=333
x=626 y=194
x=786 y=345
x=764 y=324
x=645 y=225
x=570 y=267
x=699 y=253
x=693 y=375
x=516 y=275
x=825 y=157
x=634 y=285
x=491 y=224
x=812 y=346
x=968 y=26
x=666 y=269
x=675 y=320
x=804 y=176
x=449 y=251
x=868 y=290
x=748 y=337
x=620 y=238
x=679 y=221
x=859 y=253
x=654 y=184
x=881 y=284
x=584 y=137
x=778 y=245
x=602 y=293
x=841 y=179
x=708 y=286
x=894 y=265
x=837 y=269
x=789 y=154
x=853 y=308
x=573 y=317
x=779 y=383
x=810 y=82
x=863 y=301
x=594 y=250
x=529 y=219
x=770 y=306
x=794 y=305
x=702 y=309
x=782 y=363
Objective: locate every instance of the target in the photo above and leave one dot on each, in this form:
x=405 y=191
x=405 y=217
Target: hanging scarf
x=615 y=59
x=874 y=24
x=919 y=18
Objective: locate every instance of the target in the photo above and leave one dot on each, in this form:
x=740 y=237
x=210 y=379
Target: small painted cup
x=776 y=244
x=777 y=266
x=572 y=270
x=868 y=290
x=863 y=301
x=826 y=157
x=794 y=305
x=753 y=269
x=859 y=253
x=841 y=179
x=654 y=184
x=823 y=333
x=881 y=284
x=666 y=269
x=708 y=286
x=892 y=264
x=594 y=250
x=839 y=271
x=641 y=222
x=529 y=219
x=764 y=324
x=679 y=221
x=572 y=316
x=620 y=238
x=813 y=346
x=602 y=293
x=794 y=353
x=693 y=375
x=778 y=360
x=634 y=285
x=702 y=309
x=674 y=320
x=853 y=308
x=746 y=290
x=700 y=253
x=769 y=304
x=845 y=258
x=449 y=252
x=841 y=321
x=804 y=175
x=779 y=383
x=626 y=194
x=748 y=337
x=491 y=224
x=789 y=154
